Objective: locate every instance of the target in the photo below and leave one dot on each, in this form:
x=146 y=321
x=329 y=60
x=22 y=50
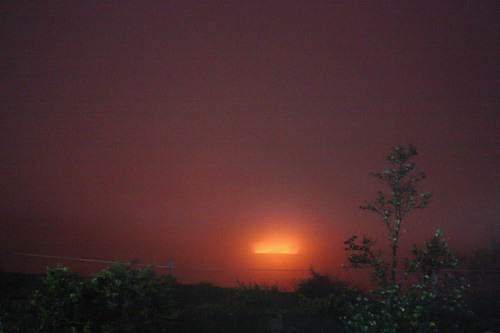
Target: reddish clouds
x=192 y=131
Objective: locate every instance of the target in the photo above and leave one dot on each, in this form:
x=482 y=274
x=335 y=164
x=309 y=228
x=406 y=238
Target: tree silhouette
x=393 y=206
x=433 y=304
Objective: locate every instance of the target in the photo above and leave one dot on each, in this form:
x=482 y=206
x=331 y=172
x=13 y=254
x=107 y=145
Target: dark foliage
x=484 y=278
x=433 y=304
x=119 y=299
x=207 y=308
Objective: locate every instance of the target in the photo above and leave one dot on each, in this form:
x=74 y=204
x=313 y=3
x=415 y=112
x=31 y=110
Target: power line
x=161 y=266
x=77 y=259
x=228 y=268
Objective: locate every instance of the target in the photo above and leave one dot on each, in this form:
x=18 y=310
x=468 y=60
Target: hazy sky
x=190 y=131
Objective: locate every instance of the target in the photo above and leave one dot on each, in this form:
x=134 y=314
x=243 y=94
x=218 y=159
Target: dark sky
x=192 y=130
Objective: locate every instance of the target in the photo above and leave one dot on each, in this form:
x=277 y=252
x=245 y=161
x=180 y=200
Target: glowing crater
x=275 y=248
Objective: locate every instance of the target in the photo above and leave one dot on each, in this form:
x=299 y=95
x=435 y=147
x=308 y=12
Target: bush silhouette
x=119 y=299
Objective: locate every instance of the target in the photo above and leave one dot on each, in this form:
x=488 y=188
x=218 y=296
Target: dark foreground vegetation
x=126 y=299
x=428 y=292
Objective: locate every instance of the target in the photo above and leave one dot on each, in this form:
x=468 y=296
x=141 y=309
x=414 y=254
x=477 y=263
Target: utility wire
x=160 y=266
x=230 y=269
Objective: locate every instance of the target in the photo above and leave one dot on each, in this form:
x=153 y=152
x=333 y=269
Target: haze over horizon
x=192 y=131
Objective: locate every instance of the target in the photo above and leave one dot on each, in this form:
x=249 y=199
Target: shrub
x=434 y=304
x=324 y=295
x=58 y=304
x=254 y=296
x=256 y=304
x=119 y=299
x=131 y=298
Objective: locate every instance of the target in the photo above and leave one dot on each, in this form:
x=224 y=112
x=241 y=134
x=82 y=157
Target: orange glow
x=273 y=247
